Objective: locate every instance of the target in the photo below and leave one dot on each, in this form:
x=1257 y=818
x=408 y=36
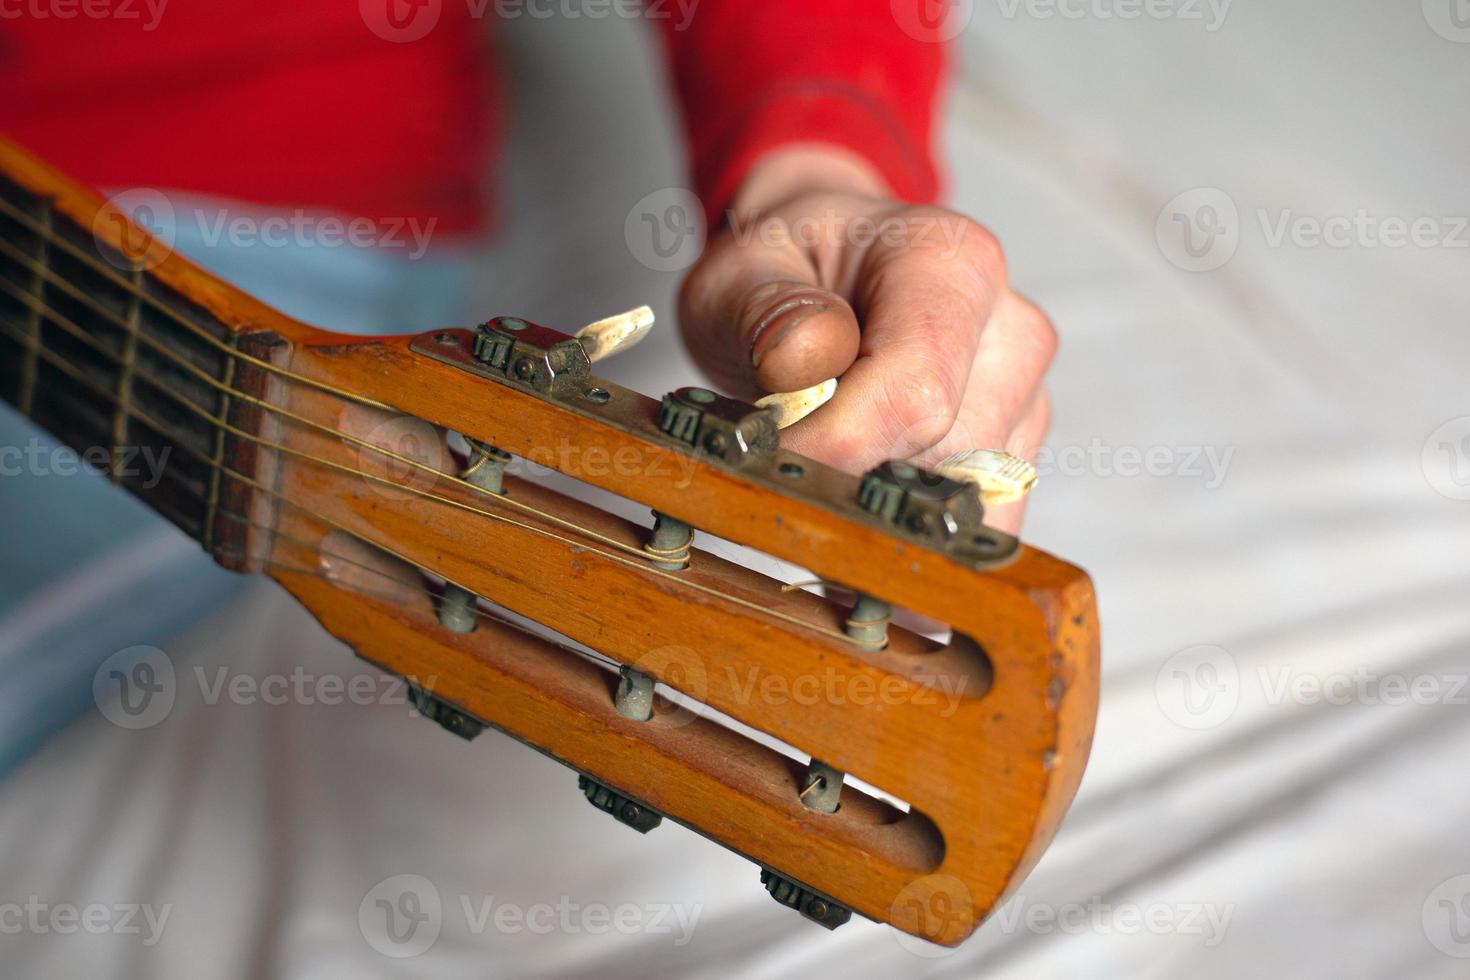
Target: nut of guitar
x=909 y=780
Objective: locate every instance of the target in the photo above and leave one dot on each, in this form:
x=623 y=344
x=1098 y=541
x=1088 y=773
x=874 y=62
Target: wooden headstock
x=323 y=461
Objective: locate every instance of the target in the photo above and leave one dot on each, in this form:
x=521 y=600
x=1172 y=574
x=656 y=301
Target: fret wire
x=102 y=269
x=219 y=454
x=62 y=365
x=277 y=534
x=36 y=321
x=81 y=334
x=124 y=383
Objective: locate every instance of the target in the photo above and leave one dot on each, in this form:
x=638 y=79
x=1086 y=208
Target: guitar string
x=50 y=237
x=66 y=324
x=278 y=564
x=276 y=533
x=111 y=399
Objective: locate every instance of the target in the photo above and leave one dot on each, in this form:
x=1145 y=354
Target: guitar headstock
x=381 y=481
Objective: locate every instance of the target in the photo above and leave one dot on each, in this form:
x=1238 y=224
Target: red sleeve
x=752 y=75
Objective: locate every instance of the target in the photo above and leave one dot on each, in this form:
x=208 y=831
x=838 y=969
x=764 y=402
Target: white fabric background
x=1323 y=830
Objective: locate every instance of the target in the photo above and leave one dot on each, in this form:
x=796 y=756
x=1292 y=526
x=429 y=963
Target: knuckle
x=984 y=251
x=1043 y=333
x=922 y=404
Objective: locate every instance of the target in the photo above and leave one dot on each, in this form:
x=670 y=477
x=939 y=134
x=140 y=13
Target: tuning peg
x=791 y=407
x=616 y=333
x=1001 y=477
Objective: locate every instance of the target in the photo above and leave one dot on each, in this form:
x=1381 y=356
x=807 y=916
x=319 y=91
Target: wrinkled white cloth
x=1273 y=804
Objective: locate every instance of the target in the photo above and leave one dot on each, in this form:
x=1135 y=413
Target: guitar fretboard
x=99 y=352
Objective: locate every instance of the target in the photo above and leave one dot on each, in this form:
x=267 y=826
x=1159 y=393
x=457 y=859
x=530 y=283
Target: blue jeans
x=87 y=569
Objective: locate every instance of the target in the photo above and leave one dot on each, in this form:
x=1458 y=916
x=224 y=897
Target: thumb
x=759 y=320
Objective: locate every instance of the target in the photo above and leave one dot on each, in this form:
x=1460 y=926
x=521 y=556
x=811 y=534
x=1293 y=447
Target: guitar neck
x=145 y=385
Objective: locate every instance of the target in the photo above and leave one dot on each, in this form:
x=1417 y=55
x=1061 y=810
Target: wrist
x=804 y=168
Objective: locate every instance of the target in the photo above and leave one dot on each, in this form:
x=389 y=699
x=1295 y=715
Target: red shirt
x=388 y=108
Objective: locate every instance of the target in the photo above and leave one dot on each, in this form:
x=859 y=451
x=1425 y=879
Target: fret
x=125 y=379
x=33 y=322
x=218 y=457
x=101 y=353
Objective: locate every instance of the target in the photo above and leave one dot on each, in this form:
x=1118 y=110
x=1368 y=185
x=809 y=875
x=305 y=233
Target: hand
x=947 y=357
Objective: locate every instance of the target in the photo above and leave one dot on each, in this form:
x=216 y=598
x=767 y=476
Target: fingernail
x=779 y=322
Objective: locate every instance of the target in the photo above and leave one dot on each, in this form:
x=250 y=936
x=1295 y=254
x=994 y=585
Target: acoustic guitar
x=915 y=784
